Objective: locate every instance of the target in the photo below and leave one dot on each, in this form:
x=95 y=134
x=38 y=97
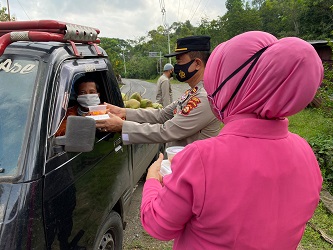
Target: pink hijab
x=283 y=81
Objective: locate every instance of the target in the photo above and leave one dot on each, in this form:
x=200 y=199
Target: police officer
x=186 y=120
x=164 y=91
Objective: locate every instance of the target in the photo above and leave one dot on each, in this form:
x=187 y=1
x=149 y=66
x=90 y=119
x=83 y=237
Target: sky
x=124 y=19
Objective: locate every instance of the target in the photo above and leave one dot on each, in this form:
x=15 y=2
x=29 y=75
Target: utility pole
x=8 y=10
x=166 y=26
x=168 y=42
x=160 y=62
x=124 y=61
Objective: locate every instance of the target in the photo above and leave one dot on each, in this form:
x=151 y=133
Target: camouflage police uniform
x=182 y=122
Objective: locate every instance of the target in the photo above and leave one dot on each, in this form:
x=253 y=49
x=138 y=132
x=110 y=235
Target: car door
x=80 y=189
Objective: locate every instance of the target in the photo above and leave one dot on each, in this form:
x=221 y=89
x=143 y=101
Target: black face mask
x=181 y=71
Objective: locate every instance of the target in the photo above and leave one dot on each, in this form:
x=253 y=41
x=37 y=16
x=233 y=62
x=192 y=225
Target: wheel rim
x=107 y=242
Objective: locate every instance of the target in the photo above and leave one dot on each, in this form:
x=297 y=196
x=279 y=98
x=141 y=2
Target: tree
x=317 y=19
x=4 y=15
x=283 y=17
x=115 y=48
x=214 y=29
x=240 y=18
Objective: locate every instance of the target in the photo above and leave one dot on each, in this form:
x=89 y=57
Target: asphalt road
x=135 y=236
x=148 y=90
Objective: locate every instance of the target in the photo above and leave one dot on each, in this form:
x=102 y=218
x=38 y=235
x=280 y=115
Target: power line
x=195 y=10
x=188 y=17
x=178 y=11
x=183 y=10
x=204 y=8
x=23 y=10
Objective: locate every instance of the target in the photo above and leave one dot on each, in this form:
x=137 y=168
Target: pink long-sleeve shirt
x=252 y=187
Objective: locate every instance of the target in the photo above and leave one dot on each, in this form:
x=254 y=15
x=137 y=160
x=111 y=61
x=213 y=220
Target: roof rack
x=47 y=31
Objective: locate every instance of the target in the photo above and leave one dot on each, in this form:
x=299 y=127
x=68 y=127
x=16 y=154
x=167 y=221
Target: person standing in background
x=164 y=91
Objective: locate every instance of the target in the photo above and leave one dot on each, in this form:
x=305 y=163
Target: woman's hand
x=154 y=169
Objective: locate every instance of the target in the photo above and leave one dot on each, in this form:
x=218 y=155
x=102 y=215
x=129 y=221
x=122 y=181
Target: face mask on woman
x=181 y=71
x=88 y=100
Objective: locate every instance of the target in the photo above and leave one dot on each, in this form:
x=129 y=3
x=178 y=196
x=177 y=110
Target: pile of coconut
x=136 y=101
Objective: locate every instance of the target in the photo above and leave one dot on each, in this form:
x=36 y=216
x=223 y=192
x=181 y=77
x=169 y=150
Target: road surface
x=148 y=90
x=134 y=235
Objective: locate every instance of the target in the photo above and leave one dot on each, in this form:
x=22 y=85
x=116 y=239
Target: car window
x=70 y=72
x=17 y=85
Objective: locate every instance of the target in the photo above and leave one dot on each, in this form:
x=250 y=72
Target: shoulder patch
x=191 y=104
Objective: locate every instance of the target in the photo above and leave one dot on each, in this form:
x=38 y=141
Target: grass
x=324 y=220
x=310 y=123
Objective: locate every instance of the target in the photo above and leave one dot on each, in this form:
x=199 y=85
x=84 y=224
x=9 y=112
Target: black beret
x=191 y=43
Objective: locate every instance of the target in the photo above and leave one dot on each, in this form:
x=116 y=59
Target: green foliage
x=117 y=51
x=316 y=20
x=322 y=146
x=317 y=129
x=4 y=15
x=311 y=238
x=310 y=123
x=325 y=92
x=215 y=29
x=142 y=67
x=240 y=18
x=282 y=18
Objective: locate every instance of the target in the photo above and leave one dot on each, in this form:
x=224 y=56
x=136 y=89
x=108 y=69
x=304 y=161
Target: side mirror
x=80 y=134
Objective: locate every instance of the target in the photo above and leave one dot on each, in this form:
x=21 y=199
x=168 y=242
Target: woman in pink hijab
x=255 y=185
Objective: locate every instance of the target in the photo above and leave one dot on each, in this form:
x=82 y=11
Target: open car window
x=70 y=72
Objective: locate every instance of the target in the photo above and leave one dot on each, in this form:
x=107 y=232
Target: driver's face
x=87 y=88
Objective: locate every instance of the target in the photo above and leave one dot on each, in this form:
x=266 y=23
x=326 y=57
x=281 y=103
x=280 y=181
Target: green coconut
x=133 y=104
x=124 y=96
x=156 y=105
x=136 y=96
x=146 y=103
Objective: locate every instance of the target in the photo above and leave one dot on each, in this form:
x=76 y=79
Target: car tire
x=110 y=236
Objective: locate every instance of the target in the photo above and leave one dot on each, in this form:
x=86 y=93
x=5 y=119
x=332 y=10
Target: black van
x=60 y=193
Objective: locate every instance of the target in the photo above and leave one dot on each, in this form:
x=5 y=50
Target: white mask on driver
x=88 y=100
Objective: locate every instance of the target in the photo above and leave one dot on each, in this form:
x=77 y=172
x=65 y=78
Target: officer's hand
x=154 y=169
x=113 y=124
x=120 y=112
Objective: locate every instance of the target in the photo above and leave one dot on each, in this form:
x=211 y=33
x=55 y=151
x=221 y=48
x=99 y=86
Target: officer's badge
x=191 y=104
x=181 y=74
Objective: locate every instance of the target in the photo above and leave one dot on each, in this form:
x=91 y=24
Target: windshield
x=17 y=79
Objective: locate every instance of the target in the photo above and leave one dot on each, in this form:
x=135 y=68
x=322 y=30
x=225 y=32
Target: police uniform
x=164 y=91
x=182 y=122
